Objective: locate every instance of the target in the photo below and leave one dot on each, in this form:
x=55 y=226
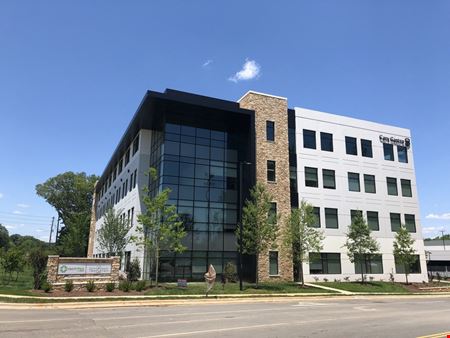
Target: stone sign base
x=81 y=270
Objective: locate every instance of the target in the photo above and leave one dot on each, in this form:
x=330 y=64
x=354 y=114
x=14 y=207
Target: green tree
x=403 y=250
x=13 y=261
x=4 y=238
x=259 y=225
x=159 y=226
x=71 y=195
x=359 y=242
x=300 y=236
x=37 y=258
x=113 y=237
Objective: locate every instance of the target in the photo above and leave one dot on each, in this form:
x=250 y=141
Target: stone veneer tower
x=275 y=109
x=90 y=251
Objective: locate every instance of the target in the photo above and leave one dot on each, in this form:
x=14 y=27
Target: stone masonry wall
x=58 y=281
x=270 y=108
x=90 y=251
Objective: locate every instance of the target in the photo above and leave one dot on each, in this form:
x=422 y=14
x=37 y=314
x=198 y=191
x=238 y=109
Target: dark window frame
x=309 y=139
x=351 y=145
x=326 y=141
x=329 y=173
x=366 y=148
x=270 y=131
x=271 y=171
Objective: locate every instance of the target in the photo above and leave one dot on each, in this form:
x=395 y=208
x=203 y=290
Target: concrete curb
x=210 y=300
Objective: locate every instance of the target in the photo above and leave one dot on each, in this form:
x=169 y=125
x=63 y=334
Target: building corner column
x=90 y=251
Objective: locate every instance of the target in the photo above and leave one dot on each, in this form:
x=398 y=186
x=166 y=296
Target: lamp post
x=241 y=166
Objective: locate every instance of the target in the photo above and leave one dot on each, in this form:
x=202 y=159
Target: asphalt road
x=330 y=317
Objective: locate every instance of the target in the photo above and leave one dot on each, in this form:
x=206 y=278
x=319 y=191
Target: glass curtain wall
x=200 y=166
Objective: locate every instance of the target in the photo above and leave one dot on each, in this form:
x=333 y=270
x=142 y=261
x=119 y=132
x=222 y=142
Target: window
x=316 y=211
x=324 y=263
x=311 y=179
x=410 y=222
x=135 y=177
x=309 y=139
x=354 y=214
x=353 y=182
x=388 y=151
x=273 y=211
x=395 y=222
x=369 y=184
x=131 y=181
x=136 y=145
x=331 y=218
x=326 y=141
x=372 y=220
x=406 y=188
x=329 y=181
x=402 y=154
x=127 y=156
x=372 y=264
x=271 y=171
x=270 y=131
x=392 y=186
x=132 y=216
x=120 y=166
x=350 y=145
x=413 y=268
x=366 y=148
x=273 y=263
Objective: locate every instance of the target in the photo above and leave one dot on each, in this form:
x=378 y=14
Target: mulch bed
x=85 y=293
x=428 y=287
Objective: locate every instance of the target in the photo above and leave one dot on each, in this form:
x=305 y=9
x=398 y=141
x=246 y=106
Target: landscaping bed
x=428 y=287
x=375 y=287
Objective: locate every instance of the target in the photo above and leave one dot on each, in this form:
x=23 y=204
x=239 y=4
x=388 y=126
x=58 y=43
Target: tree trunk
x=406 y=274
x=157 y=267
x=300 y=273
x=257 y=274
x=362 y=273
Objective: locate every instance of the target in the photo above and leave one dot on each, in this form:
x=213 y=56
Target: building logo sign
x=396 y=141
x=84 y=268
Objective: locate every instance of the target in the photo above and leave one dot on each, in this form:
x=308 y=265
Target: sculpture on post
x=210 y=278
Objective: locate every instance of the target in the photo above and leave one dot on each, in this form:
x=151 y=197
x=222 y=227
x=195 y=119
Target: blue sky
x=72 y=73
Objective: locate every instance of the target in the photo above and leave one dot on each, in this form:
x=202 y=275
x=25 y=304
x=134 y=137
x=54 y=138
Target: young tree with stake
x=113 y=237
x=301 y=237
x=403 y=250
x=159 y=226
x=259 y=225
x=359 y=242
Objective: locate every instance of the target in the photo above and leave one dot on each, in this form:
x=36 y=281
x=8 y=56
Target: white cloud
x=437 y=216
x=429 y=230
x=9 y=227
x=40 y=230
x=207 y=63
x=1 y=195
x=250 y=70
x=23 y=205
x=17 y=212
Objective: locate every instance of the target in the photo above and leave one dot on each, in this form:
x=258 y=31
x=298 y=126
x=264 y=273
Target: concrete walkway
x=344 y=292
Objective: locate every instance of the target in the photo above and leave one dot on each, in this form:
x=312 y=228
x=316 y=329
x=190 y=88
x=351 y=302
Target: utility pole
x=57 y=229
x=443 y=238
x=51 y=231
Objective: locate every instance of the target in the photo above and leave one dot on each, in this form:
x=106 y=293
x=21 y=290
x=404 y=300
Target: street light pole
x=443 y=238
x=241 y=165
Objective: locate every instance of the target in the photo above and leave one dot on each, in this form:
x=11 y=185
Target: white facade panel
x=343 y=199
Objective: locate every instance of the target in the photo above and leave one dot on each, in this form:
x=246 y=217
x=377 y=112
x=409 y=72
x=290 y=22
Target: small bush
x=125 y=286
x=325 y=280
x=110 y=286
x=47 y=287
x=439 y=277
x=347 y=278
x=140 y=285
x=371 y=278
x=229 y=272
x=316 y=278
x=134 y=270
x=68 y=287
x=90 y=286
x=337 y=280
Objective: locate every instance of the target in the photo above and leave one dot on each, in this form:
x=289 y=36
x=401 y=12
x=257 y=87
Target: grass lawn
x=19 y=287
x=230 y=288
x=367 y=287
